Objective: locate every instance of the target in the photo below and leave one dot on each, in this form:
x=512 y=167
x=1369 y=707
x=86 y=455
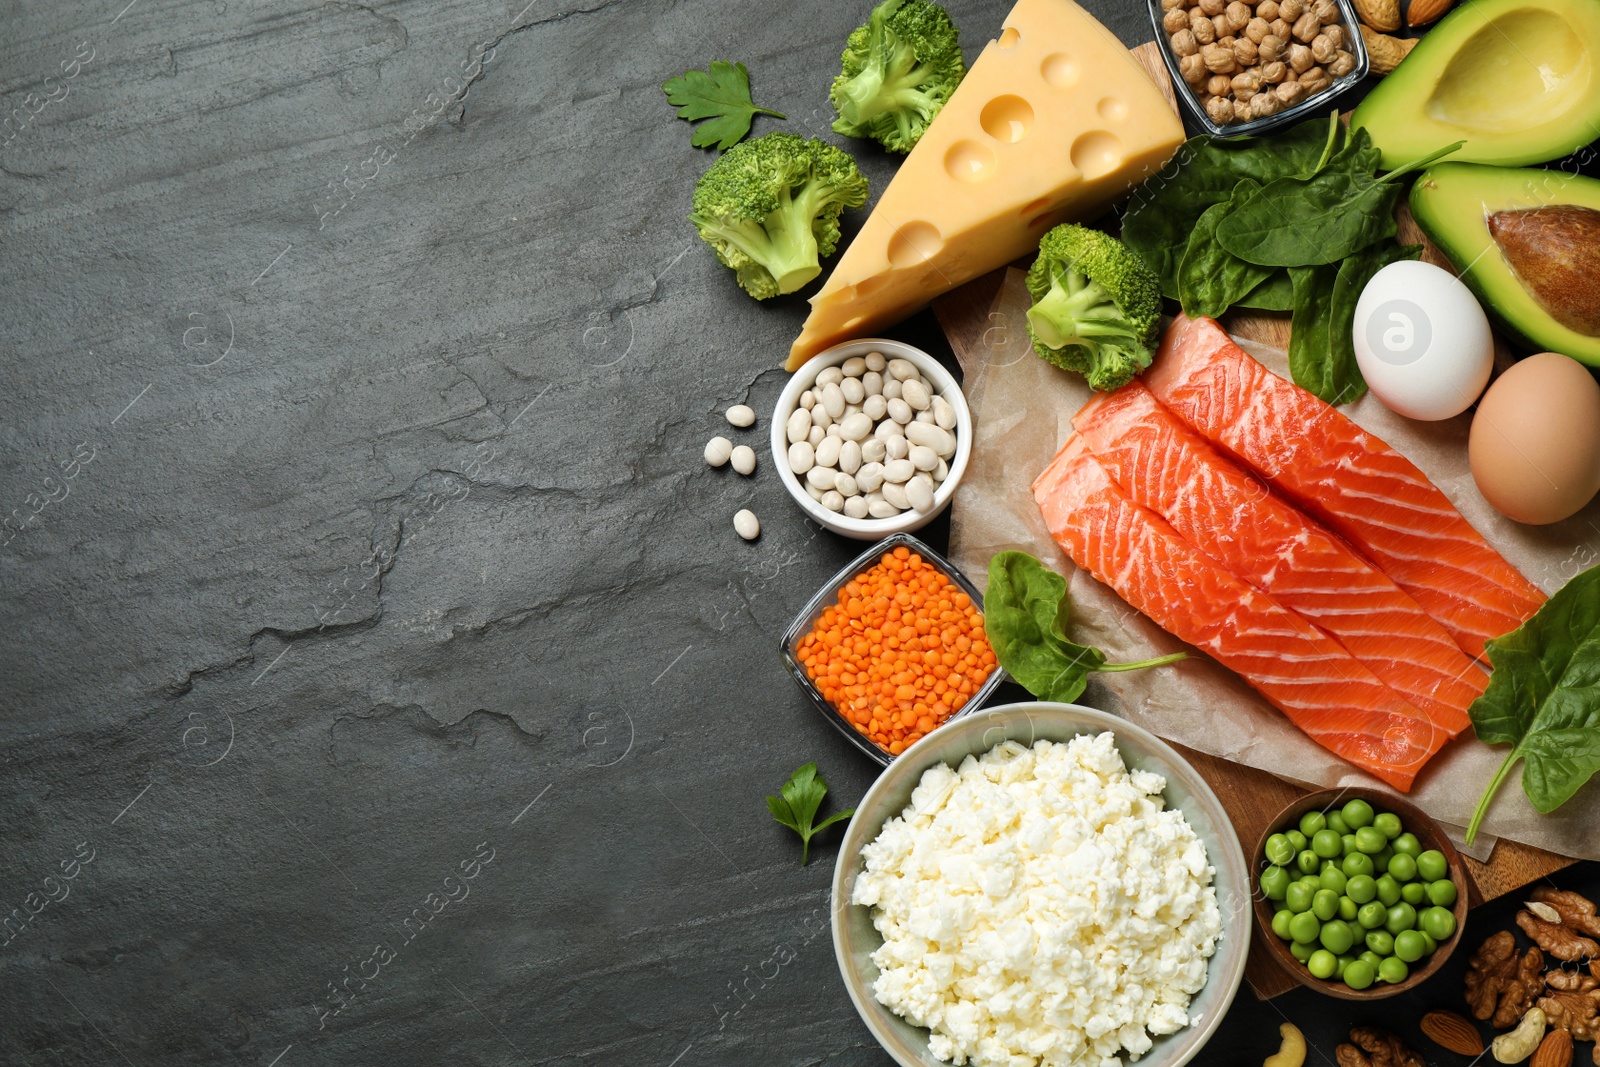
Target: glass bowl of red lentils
x=892 y=647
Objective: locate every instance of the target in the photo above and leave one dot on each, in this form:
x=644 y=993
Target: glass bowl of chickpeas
x=892 y=647
x=1243 y=67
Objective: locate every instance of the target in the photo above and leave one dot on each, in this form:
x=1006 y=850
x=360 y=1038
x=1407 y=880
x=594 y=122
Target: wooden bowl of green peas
x=1358 y=894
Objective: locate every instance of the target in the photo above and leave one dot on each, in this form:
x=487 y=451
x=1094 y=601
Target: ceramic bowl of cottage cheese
x=1043 y=881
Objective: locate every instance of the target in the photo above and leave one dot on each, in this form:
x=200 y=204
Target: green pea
x=1393 y=970
x=1371 y=916
x=1300 y=952
x=1402 y=916
x=1348 y=843
x=1296 y=838
x=1336 y=937
x=1403 y=867
x=1325 y=904
x=1414 y=893
x=1389 y=823
x=1380 y=941
x=1347 y=909
x=1428 y=943
x=1280 y=923
x=1359 y=974
x=1371 y=841
x=1381 y=858
x=1344 y=962
x=1409 y=946
x=1326 y=844
x=1431 y=865
x=1442 y=893
x=1356 y=863
x=1279 y=851
x=1408 y=843
x=1439 y=923
x=1357 y=813
x=1311 y=822
x=1370 y=956
x=1298 y=897
x=1337 y=824
x=1388 y=890
x=1360 y=888
x=1322 y=964
x=1308 y=862
x=1274 y=881
x=1305 y=928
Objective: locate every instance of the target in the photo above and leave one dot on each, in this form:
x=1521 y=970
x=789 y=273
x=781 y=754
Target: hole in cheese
x=915 y=242
x=1060 y=70
x=1009 y=37
x=1096 y=153
x=969 y=161
x=1007 y=119
x=1112 y=109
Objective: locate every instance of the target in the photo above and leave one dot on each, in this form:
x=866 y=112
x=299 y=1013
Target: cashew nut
x=1292 y=1052
x=1517 y=1045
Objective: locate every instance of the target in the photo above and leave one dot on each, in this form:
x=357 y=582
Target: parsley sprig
x=802 y=796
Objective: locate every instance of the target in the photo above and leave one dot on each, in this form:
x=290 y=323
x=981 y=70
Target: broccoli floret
x=898 y=71
x=770 y=207
x=1096 y=306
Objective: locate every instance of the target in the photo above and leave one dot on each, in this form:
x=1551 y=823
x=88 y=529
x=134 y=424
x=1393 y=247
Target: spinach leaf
x=1211 y=279
x=1025 y=613
x=1544 y=699
x=1311 y=362
x=1354 y=274
x=1274 y=294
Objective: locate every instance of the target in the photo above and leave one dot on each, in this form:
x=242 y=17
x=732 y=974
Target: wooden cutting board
x=1253 y=797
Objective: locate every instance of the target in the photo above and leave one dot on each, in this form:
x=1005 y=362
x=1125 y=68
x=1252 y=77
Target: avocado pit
x=1555 y=253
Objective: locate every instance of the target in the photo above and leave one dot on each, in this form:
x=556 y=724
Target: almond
x=1384 y=53
x=1554 y=1051
x=1451 y=1031
x=1422 y=12
x=1381 y=15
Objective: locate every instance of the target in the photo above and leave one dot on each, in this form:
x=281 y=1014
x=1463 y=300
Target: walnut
x=1219 y=60
x=1572 y=1003
x=1192 y=68
x=1562 y=939
x=1244 y=50
x=1501 y=985
x=1377 y=1048
x=1322 y=49
x=1326 y=11
x=1270 y=48
x=1174 y=21
x=1220 y=109
x=1343 y=63
x=1306 y=28
x=1268 y=9
x=1335 y=34
x=1274 y=73
x=1238 y=14
x=1290 y=93
x=1203 y=30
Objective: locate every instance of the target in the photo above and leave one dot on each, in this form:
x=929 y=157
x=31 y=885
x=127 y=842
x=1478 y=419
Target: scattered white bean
x=876 y=362
x=828 y=452
x=718 y=449
x=829 y=376
x=821 y=477
x=833 y=400
x=832 y=500
x=808 y=400
x=856 y=427
x=854 y=392
x=870 y=477
x=802 y=457
x=895 y=493
x=891 y=390
x=943 y=414
x=916 y=395
x=897 y=447
x=900 y=411
x=816 y=436
x=741 y=415
x=920 y=494
x=746 y=525
x=872 y=382
x=850 y=458
x=744 y=459
x=799 y=425
x=854 y=367
x=846 y=485
x=898 y=470
x=922 y=457
x=855 y=507
x=873 y=450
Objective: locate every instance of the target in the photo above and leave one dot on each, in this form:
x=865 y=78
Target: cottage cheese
x=1040 y=907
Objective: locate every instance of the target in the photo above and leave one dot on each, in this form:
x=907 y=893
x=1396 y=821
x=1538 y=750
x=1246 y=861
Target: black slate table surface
x=379 y=654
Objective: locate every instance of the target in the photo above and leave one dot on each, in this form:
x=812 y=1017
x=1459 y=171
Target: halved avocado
x=1527 y=242
x=1518 y=80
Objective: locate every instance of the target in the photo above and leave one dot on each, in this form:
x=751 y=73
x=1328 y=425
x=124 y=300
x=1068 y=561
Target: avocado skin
x=1452 y=203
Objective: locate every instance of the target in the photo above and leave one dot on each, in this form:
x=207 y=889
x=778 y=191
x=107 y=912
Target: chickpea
x=1306 y=28
x=1183 y=42
x=1335 y=34
x=1273 y=73
x=1264 y=104
x=1192 y=68
x=1300 y=58
x=1203 y=30
x=1270 y=48
x=1341 y=64
x=1246 y=81
x=1226 y=42
x=1280 y=28
x=1220 y=110
x=1172 y=5
x=1244 y=50
x=1220 y=24
x=1291 y=9
x=1322 y=49
x=1218 y=85
x=1326 y=11
x=1255 y=30
x=1173 y=21
x=1267 y=9
x=1213 y=7
x=1290 y=93
x=1219 y=60
x=1238 y=14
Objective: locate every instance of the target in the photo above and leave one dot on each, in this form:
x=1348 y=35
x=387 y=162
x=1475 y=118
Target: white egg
x=1422 y=341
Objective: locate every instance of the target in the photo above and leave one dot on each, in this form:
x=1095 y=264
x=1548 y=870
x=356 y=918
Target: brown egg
x=1535 y=443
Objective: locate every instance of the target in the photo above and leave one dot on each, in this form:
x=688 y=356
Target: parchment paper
x=1022 y=410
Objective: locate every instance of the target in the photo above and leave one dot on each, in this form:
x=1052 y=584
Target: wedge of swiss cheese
x=1053 y=122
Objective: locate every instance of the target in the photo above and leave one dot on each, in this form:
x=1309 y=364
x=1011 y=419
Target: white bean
x=870 y=477
x=922 y=457
x=943 y=414
x=850 y=458
x=799 y=425
x=851 y=409
x=744 y=459
x=895 y=494
x=854 y=392
x=881 y=509
x=746 y=525
x=808 y=400
x=821 y=477
x=941 y=441
x=900 y=411
x=816 y=436
x=813 y=492
x=829 y=376
x=898 y=470
x=819 y=415
x=903 y=370
x=741 y=415
x=925 y=417
x=872 y=382
x=853 y=367
x=855 y=507
x=891 y=390
x=888 y=428
x=856 y=427
x=897 y=447
x=876 y=361
x=873 y=450
x=833 y=400
x=834 y=430
x=920 y=494
x=832 y=500
x=718 y=449
x=846 y=486
x=802 y=457
x=941 y=472
x=828 y=452
x=875 y=407
x=916 y=394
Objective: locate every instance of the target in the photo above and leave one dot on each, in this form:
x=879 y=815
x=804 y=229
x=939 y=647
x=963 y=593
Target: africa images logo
x=1399 y=332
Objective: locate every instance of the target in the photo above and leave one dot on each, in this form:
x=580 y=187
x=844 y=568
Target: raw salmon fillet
x=1306 y=674
x=1350 y=480
x=1247 y=529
